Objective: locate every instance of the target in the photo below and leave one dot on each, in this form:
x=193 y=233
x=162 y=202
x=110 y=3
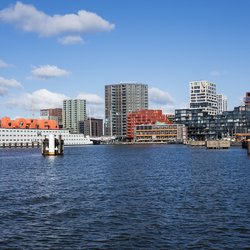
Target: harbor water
x=125 y=197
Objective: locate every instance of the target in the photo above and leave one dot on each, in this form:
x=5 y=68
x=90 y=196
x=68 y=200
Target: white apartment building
x=222 y=103
x=74 y=111
x=203 y=95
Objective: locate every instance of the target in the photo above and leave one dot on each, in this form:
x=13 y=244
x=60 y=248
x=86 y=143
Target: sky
x=68 y=49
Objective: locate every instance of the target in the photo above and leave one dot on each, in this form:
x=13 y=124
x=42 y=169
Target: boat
x=11 y=137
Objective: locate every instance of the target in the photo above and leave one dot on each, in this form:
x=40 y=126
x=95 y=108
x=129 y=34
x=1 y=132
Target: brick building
x=144 y=117
x=52 y=114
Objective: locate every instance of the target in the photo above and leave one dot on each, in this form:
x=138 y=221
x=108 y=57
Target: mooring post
x=248 y=144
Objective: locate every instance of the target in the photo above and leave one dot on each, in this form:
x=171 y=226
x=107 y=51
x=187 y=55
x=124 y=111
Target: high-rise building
x=203 y=95
x=222 y=103
x=121 y=99
x=52 y=114
x=74 y=111
x=247 y=99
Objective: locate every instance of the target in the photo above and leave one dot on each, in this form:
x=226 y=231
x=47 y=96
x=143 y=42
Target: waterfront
x=125 y=197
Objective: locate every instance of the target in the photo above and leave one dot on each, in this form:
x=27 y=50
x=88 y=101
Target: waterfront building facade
x=121 y=99
x=222 y=103
x=160 y=132
x=74 y=111
x=93 y=127
x=29 y=123
x=201 y=125
x=52 y=114
x=202 y=95
x=144 y=117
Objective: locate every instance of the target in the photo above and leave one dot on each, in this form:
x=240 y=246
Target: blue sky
x=52 y=50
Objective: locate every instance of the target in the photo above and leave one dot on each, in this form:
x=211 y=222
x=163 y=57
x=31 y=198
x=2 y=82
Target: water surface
x=125 y=197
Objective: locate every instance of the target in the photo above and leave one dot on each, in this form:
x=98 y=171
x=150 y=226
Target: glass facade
x=202 y=125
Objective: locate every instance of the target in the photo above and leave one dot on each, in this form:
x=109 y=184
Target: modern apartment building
x=74 y=111
x=121 y=99
x=222 y=103
x=52 y=114
x=203 y=95
x=202 y=125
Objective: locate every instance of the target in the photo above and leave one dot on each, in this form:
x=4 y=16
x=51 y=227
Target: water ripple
x=125 y=197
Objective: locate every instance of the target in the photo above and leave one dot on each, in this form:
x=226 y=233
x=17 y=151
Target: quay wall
x=218 y=144
x=197 y=143
x=210 y=144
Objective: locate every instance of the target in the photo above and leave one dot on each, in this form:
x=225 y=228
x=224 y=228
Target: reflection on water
x=125 y=197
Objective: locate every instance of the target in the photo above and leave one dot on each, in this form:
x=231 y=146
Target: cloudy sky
x=54 y=50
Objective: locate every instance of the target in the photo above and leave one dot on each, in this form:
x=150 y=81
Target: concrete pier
x=211 y=144
x=53 y=146
x=197 y=143
x=218 y=144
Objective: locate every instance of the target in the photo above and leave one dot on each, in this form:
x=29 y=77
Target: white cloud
x=159 y=99
x=4 y=64
x=37 y=100
x=158 y=96
x=48 y=71
x=68 y=40
x=95 y=104
x=44 y=98
x=3 y=90
x=166 y=109
x=11 y=83
x=91 y=98
x=6 y=84
x=29 y=19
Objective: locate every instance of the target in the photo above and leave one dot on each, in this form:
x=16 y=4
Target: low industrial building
x=160 y=132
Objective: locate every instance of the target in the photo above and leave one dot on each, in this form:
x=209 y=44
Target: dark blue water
x=125 y=197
